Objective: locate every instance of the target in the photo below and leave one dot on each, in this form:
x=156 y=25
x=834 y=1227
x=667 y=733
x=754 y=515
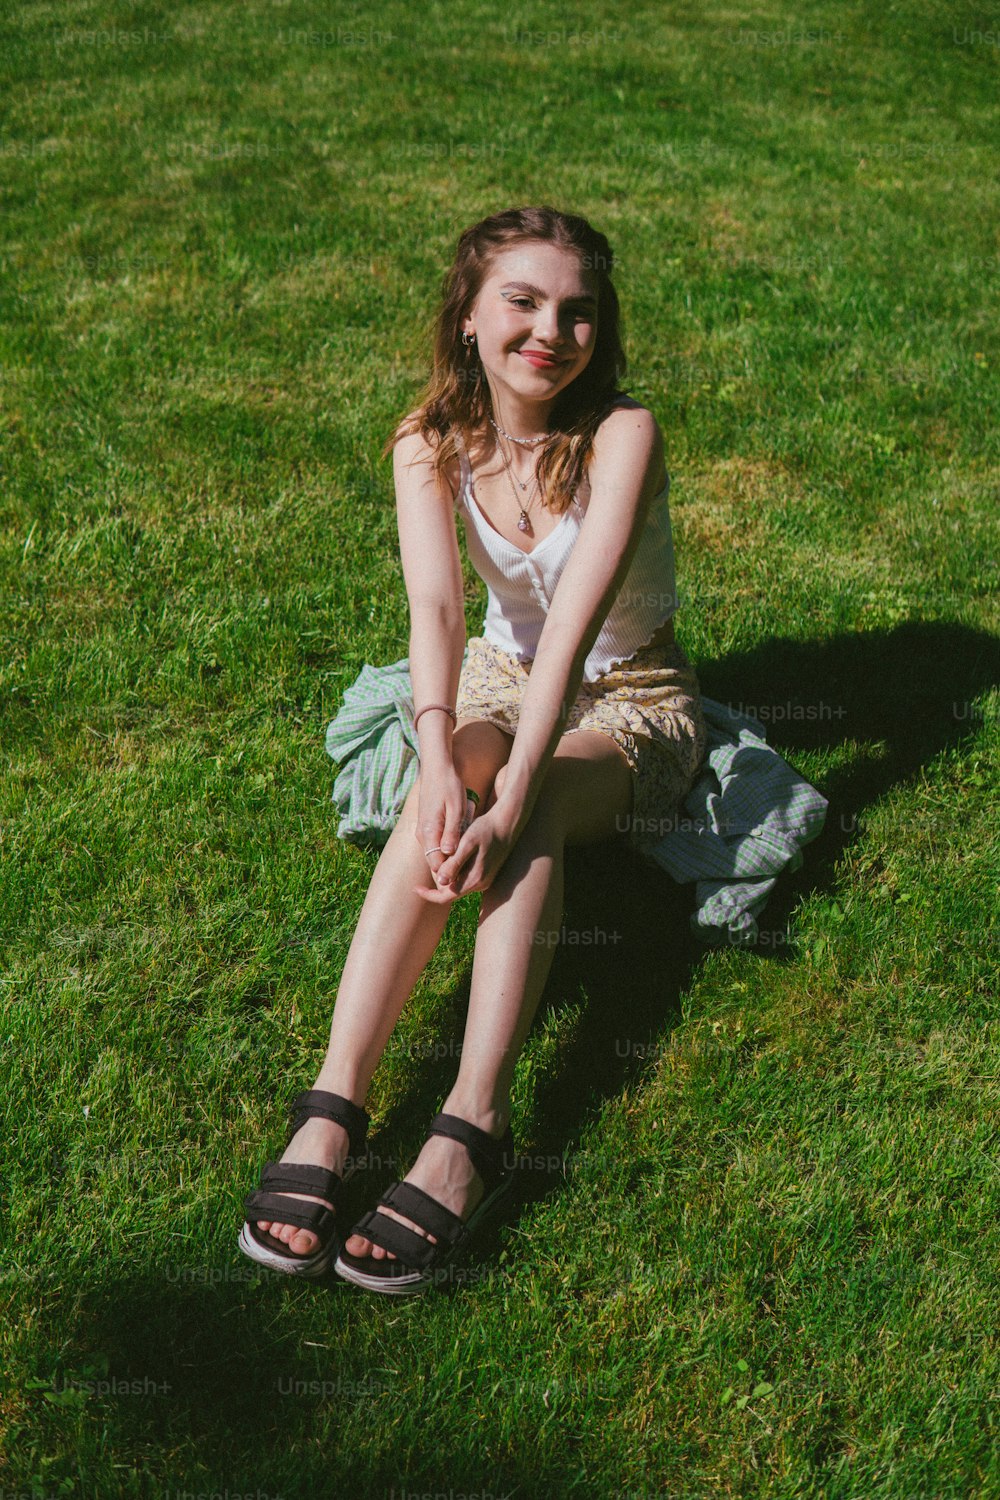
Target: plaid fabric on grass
x=374 y=742
x=747 y=818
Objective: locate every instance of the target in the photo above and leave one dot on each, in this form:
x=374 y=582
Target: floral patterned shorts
x=649 y=705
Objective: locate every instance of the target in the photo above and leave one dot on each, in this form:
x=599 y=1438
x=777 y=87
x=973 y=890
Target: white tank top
x=520 y=585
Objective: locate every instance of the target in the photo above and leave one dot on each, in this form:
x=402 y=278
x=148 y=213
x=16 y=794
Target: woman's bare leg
x=588 y=787
x=396 y=934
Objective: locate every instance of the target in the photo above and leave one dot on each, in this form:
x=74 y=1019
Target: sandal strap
x=319 y=1103
x=273 y=1207
x=433 y=1217
x=494 y=1160
x=412 y=1249
x=296 y=1177
x=278 y=1178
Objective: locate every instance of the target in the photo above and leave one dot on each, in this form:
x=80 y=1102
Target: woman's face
x=535 y=320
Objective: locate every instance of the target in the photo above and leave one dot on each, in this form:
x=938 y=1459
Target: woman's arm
x=626 y=471
x=432 y=569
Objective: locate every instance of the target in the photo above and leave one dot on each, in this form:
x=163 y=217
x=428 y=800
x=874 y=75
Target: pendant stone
x=523 y=523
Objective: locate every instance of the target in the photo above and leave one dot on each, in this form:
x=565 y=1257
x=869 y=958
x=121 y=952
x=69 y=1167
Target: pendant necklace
x=524 y=521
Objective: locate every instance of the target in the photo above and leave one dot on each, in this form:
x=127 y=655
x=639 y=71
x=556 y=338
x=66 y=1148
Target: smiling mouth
x=535 y=358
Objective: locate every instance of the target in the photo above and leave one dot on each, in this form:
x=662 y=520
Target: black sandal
x=419 y=1261
x=278 y=1178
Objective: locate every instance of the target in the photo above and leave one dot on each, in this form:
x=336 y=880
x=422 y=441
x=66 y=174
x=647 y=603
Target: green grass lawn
x=755 y=1252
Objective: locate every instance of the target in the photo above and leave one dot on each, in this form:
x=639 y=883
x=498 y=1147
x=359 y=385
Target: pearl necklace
x=529 y=442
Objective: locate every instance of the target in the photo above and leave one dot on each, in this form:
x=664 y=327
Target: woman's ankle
x=333 y=1079
x=481 y=1109
x=320 y=1143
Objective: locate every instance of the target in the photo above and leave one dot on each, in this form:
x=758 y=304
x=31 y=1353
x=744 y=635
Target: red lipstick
x=538 y=359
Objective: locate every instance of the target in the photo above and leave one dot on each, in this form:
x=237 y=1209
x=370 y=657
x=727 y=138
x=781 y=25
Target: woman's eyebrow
x=536 y=291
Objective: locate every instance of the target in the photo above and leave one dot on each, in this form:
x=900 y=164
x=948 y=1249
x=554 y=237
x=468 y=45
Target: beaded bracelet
x=428 y=706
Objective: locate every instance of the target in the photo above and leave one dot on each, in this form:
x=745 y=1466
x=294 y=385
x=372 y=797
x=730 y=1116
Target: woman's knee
x=479 y=754
x=582 y=796
x=480 y=751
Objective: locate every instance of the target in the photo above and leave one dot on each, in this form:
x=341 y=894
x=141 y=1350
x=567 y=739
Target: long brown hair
x=457 y=395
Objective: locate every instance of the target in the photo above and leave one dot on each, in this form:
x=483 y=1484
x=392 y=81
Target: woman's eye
x=520 y=302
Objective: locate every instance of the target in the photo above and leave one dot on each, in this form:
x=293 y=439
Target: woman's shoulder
x=626 y=402
x=416 y=446
x=626 y=414
x=628 y=425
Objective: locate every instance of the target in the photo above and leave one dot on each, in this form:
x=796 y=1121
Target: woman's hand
x=442 y=813
x=477 y=860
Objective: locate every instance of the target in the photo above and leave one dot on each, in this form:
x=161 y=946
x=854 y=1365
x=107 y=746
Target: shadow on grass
x=257 y=1386
x=894 y=698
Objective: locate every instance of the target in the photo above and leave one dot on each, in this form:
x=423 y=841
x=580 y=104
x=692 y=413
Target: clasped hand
x=479 y=847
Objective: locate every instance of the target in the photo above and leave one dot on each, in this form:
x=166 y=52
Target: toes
x=356 y=1244
x=302 y=1242
x=299 y=1241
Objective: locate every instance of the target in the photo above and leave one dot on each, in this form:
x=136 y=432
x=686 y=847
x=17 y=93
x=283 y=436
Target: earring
x=468 y=339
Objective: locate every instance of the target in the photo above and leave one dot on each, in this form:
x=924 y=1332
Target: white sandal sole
x=309 y=1266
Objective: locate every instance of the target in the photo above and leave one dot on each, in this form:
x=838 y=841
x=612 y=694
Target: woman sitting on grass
x=575 y=717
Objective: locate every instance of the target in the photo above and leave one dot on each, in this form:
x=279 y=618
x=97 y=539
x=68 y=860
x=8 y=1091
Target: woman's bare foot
x=443 y=1169
x=319 y=1143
